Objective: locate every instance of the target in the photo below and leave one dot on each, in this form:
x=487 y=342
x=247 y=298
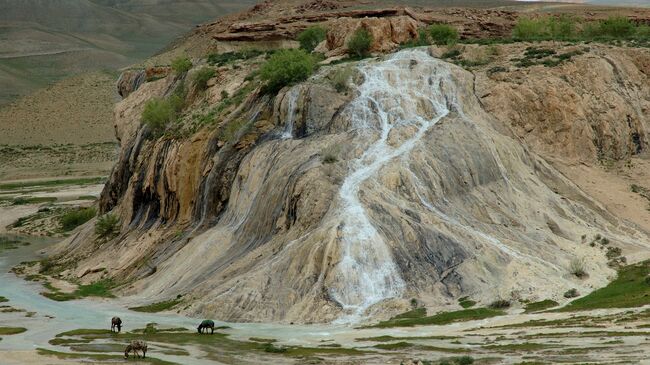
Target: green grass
x=414 y=313
x=52 y=183
x=539 y=306
x=101 y=288
x=12 y=330
x=441 y=318
x=98 y=357
x=630 y=289
x=76 y=217
x=407 y=345
x=519 y=347
x=387 y=338
x=157 y=307
x=465 y=302
x=3 y=299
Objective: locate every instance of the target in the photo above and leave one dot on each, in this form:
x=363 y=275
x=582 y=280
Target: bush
x=360 y=42
x=340 y=78
x=562 y=27
x=311 y=37
x=577 y=268
x=465 y=360
x=75 y=218
x=181 y=65
x=286 y=67
x=500 y=304
x=617 y=27
x=107 y=226
x=571 y=293
x=201 y=77
x=158 y=113
x=442 y=34
x=529 y=29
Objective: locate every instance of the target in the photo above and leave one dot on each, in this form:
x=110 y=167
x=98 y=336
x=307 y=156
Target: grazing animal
x=135 y=346
x=205 y=325
x=116 y=322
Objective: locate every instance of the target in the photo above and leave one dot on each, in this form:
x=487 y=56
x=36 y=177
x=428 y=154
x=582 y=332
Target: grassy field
x=405 y=320
x=630 y=289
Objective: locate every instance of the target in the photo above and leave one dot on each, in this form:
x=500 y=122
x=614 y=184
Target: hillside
x=427 y=174
x=42 y=41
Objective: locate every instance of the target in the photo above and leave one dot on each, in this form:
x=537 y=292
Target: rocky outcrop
x=130 y=81
x=415 y=183
x=387 y=34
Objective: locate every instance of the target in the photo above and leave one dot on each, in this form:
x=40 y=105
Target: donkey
x=205 y=325
x=116 y=323
x=135 y=346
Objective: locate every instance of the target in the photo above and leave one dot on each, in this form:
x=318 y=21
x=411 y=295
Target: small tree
x=311 y=37
x=202 y=76
x=181 y=65
x=360 y=42
x=286 y=67
x=107 y=226
x=443 y=34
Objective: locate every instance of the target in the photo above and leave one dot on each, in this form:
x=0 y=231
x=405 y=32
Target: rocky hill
x=422 y=175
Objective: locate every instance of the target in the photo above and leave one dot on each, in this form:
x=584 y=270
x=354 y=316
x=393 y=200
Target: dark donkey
x=116 y=322
x=205 y=325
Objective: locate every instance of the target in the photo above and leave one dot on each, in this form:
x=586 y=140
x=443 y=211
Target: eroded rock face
x=334 y=205
x=387 y=34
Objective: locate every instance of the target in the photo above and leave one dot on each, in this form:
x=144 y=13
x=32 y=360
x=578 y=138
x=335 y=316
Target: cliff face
x=422 y=180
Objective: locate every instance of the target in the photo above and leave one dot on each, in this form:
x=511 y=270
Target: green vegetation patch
x=630 y=289
x=157 y=307
x=202 y=76
x=3 y=299
x=181 y=65
x=311 y=37
x=107 y=226
x=387 y=338
x=76 y=217
x=540 y=306
x=98 y=357
x=408 y=345
x=101 y=288
x=12 y=330
x=519 y=347
x=465 y=302
x=414 y=313
x=442 y=318
x=360 y=42
x=52 y=183
x=287 y=67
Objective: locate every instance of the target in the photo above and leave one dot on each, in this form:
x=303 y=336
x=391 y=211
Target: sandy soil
x=10 y=214
x=611 y=186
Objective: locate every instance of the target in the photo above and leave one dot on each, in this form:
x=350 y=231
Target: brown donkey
x=135 y=346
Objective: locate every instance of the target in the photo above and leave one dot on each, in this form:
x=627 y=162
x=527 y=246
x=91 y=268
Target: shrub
x=107 y=226
x=465 y=360
x=562 y=27
x=442 y=34
x=286 y=67
x=360 y=42
x=75 y=218
x=571 y=293
x=202 y=76
x=617 y=27
x=529 y=29
x=500 y=304
x=181 y=65
x=311 y=37
x=340 y=78
x=577 y=268
x=158 y=113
